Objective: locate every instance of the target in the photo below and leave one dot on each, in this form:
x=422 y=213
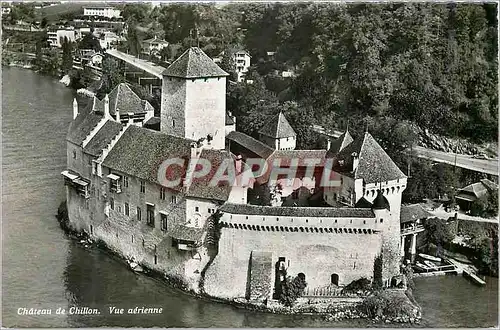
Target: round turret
x=380 y=202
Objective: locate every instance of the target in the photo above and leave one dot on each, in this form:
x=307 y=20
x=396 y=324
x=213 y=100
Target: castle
x=229 y=239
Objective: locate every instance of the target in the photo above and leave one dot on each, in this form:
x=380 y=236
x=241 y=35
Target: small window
x=173 y=199
x=74 y=154
x=196 y=209
x=127 y=209
x=112 y=203
x=143 y=187
x=139 y=214
x=151 y=215
x=163 y=222
x=162 y=193
x=173 y=123
x=381 y=220
x=209 y=211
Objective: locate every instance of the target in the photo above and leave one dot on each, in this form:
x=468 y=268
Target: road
x=442 y=214
x=489 y=166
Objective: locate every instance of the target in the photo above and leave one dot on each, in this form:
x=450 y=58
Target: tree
x=112 y=75
x=67 y=56
x=291 y=289
x=437 y=232
x=133 y=39
x=227 y=64
x=89 y=42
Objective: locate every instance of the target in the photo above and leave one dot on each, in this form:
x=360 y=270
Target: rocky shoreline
x=330 y=310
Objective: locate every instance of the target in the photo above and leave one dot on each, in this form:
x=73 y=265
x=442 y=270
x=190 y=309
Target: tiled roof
x=154 y=40
x=253 y=145
x=380 y=202
x=479 y=189
x=285 y=157
x=278 y=128
x=363 y=203
x=201 y=187
x=81 y=127
x=374 y=163
x=185 y=233
x=194 y=63
x=413 y=212
x=104 y=136
x=340 y=143
x=329 y=212
x=140 y=152
x=125 y=100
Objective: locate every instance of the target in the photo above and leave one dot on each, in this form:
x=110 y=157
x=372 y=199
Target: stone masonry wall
x=206 y=109
x=317 y=255
x=173 y=101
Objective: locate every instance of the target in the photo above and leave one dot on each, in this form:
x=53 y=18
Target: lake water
x=44 y=269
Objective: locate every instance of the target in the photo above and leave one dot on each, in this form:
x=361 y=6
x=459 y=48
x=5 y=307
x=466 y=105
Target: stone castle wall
x=206 y=109
x=172 y=106
x=317 y=255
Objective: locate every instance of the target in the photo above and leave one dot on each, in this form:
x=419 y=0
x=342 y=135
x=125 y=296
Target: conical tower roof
x=380 y=202
x=374 y=164
x=194 y=63
x=278 y=128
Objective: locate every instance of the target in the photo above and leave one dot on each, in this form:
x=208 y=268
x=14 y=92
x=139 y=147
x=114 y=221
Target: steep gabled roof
x=340 y=143
x=374 y=164
x=278 y=128
x=251 y=144
x=104 y=136
x=140 y=152
x=123 y=98
x=410 y=213
x=81 y=127
x=202 y=187
x=194 y=63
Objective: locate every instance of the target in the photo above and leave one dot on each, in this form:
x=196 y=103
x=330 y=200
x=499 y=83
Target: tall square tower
x=193 y=103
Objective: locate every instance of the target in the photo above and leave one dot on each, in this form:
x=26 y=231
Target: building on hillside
x=278 y=133
x=109 y=40
x=153 y=46
x=56 y=36
x=5 y=9
x=469 y=194
x=241 y=59
x=102 y=11
x=183 y=202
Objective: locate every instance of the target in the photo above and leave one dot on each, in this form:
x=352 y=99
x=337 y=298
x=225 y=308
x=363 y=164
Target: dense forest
x=425 y=64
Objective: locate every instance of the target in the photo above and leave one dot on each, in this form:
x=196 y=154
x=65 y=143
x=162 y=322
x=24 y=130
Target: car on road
x=481 y=156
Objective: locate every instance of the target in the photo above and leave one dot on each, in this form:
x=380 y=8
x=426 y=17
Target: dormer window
x=115 y=183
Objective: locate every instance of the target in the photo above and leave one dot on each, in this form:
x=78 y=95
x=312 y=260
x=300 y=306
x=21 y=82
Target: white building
x=108 y=40
x=242 y=62
x=153 y=45
x=109 y=12
x=56 y=36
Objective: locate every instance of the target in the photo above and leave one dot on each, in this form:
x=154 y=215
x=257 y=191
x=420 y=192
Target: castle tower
x=278 y=133
x=193 y=103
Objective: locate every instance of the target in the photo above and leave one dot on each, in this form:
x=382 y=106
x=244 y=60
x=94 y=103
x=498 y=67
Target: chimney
x=75 y=108
x=355 y=160
x=117 y=115
x=238 y=165
x=106 y=106
x=194 y=148
x=328 y=144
